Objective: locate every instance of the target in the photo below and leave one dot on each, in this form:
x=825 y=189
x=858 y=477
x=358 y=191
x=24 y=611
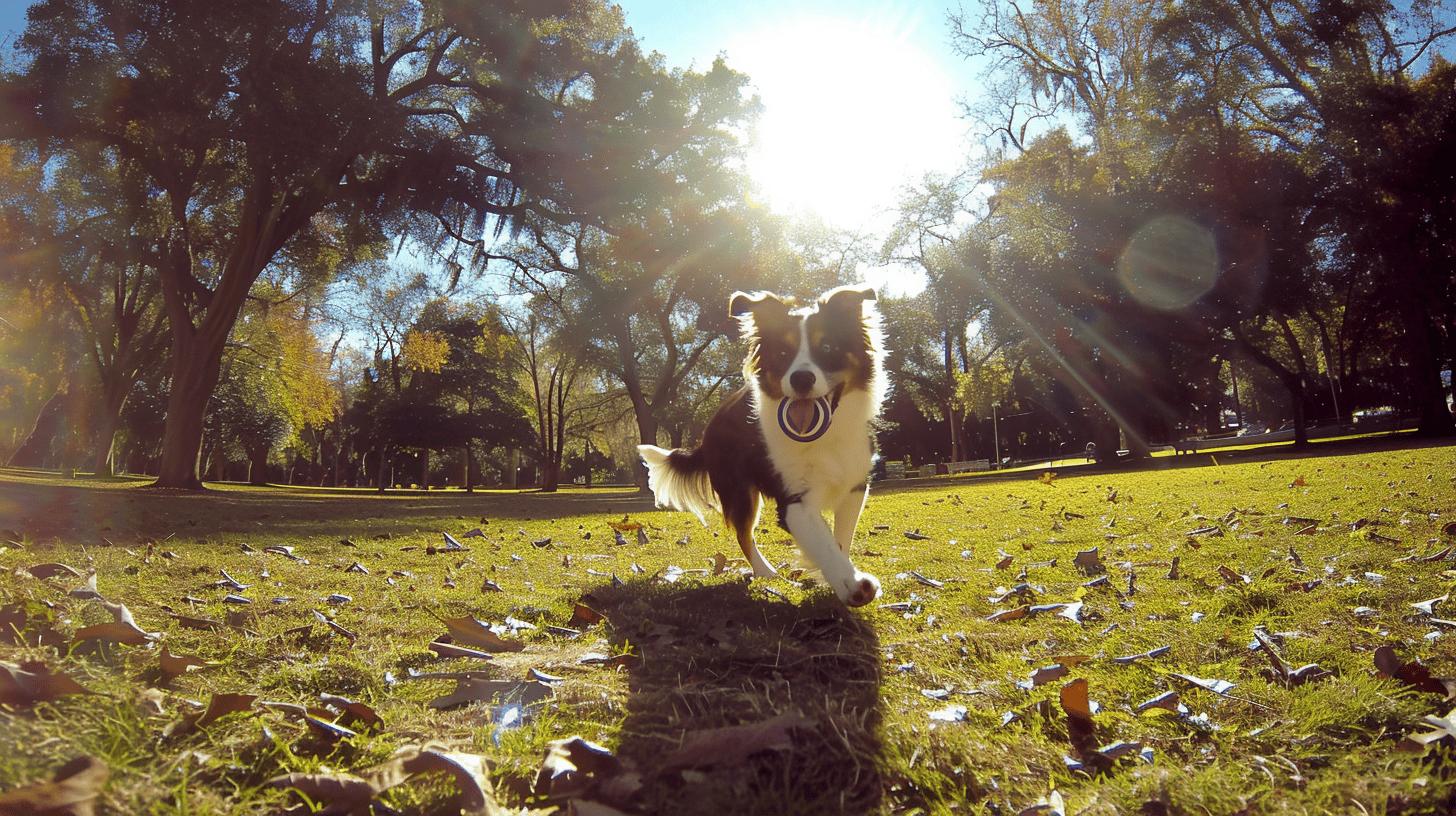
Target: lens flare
x=1169 y=263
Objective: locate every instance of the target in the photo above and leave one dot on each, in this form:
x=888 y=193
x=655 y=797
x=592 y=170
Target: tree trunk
x=550 y=475
x=258 y=465
x=36 y=449
x=379 y=478
x=1424 y=379
x=647 y=432
x=425 y=469
x=196 y=364
x=469 y=469
x=106 y=425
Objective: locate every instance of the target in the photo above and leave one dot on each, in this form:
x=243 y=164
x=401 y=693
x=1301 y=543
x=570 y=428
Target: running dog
x=799 y=432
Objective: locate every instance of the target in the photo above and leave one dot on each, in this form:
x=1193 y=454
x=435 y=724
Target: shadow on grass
x=723 y=655
x=41 y=505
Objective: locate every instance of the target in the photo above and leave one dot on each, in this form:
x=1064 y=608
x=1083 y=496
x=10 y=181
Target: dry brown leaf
x=203 y=624
x=1413 y=673
x=1008 y=614
x=339 y=793
x=150 y=702
x=473 y=689
x=733 y=744
x=445 y=648
x=471 y=632
x=51 y=570
x=1075 y=701
x=353 y=711
x=572 y=766
x=71 y=792
x=34 y=682
x=467 y=769
x=1233 y=578
x=222 y=705
x=177 y=665
x=584 y=615
x=1088 y=561
x=122 y=630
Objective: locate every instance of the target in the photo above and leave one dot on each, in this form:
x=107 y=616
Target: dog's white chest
x=830 y=465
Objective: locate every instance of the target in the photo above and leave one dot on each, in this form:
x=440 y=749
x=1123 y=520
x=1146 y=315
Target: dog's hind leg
x=846 y=516
x=741 y=513
x=814 y=537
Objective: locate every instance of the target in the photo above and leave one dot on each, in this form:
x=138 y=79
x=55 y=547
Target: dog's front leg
x=846 y=516
x=811 y=532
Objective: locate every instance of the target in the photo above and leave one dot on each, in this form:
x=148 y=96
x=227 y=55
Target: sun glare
x=853 y=110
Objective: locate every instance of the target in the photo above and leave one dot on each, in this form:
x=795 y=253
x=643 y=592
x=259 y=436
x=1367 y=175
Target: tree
x=561 y=403
x=923 y=237
x=290 y=122
x=1340 y=85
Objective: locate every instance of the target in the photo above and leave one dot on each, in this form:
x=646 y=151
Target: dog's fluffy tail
x=679 y=479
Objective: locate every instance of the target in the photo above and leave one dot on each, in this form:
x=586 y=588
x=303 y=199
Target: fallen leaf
x=1148 y=655
x=87 y=591
x=949 y=714
x=122 y=630
x=1052 y=805
x=1088 y=561
x=1233 y=578
x=1429 y=607
x=1043 y=675
x=339 y=793
x=1216 y=686
x=446 y=649
x=469 y=631
x=475 y=689
x=1167 y=700
x=733 y=744
x=222 y=705
x=916 y=535
x=1008 y=614
x=353 y=711
x=1298 y=482
x=34 y=682
x=1075 y=701
x=149 y=701
x=573 y=765
x=1413 y=673
x=51 y=570
x=583 y=615
x=177 y=665
x=72 y=791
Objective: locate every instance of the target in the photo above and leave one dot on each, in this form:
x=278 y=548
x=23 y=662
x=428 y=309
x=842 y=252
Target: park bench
x=970 y=466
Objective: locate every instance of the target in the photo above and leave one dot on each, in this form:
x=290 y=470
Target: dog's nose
x=802 y=381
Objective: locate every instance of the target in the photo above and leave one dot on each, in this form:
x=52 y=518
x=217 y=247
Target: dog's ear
x=743 y=303
x=847 y=296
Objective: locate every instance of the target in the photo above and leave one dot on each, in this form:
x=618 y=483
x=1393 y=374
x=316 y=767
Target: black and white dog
x=798 y=432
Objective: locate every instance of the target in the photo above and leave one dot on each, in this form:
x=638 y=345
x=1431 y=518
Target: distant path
x=42 y=504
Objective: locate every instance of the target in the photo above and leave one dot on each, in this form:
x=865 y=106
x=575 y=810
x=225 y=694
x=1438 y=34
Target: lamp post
x=996 y=434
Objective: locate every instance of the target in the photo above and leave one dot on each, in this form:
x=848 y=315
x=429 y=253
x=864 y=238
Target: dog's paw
x=763 y=569
x=861 y=589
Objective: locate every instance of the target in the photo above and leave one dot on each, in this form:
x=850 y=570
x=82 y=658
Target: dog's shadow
x=725 y=655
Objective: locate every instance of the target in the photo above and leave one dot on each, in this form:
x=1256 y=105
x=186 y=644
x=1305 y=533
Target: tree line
x=320 y=242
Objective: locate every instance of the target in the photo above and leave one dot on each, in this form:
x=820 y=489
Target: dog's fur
x=745 y=455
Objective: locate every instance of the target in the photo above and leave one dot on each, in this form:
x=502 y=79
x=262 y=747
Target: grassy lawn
x=922 y=702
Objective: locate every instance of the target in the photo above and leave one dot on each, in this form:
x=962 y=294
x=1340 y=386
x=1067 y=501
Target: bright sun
x=853 y=110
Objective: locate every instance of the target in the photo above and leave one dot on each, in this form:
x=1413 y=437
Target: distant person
x=1091 y=451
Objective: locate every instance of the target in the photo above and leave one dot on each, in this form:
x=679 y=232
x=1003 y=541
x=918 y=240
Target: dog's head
x=827 y=347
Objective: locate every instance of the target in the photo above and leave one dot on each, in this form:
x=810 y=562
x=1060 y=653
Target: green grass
x=714 y=650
